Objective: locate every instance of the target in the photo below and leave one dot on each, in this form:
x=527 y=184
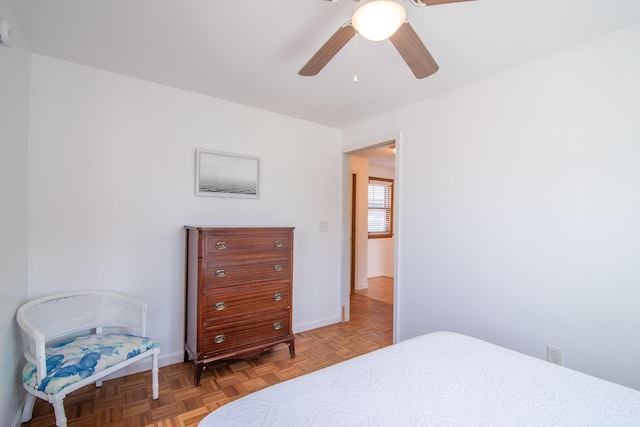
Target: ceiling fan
x=393 y=26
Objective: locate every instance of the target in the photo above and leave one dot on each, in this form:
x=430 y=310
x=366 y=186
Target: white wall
x=111 y=184
x=520 y=205
x=14 y=116
x=380 y=251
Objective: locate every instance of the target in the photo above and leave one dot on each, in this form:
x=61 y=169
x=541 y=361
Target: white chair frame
x=79 y=312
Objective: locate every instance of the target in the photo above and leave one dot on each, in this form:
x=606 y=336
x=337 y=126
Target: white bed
x=438 y=379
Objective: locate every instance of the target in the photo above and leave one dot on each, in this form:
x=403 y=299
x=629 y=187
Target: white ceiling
x=383 y=157
x=249 y=51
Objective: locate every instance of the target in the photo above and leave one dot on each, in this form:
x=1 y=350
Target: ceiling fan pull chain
x=355 y=60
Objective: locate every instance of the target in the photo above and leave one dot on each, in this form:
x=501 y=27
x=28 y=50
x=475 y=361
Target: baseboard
x=171 y=358
x=382 y=274
x=17 y=420
x=316 y=324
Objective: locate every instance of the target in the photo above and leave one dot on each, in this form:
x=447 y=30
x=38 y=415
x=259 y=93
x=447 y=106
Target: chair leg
x=154 y=375
x=27 y=411
x=61 y=417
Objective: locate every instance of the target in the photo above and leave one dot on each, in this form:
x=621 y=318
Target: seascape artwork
x=221 y=174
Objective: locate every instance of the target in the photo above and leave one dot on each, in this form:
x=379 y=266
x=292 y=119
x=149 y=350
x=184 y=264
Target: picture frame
x=226 y=174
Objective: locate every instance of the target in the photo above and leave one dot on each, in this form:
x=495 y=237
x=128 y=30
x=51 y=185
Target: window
x=380 y=207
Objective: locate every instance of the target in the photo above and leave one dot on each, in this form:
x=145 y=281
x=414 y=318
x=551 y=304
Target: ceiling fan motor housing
x=378 y=19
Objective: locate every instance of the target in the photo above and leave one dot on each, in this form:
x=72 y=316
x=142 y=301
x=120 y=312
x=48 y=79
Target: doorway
x=367 y=261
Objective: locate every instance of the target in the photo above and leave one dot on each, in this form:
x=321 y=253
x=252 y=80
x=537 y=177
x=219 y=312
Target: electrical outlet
x=554 y=355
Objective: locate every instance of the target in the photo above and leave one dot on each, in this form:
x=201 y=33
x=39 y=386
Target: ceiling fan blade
x=414 y=52
x=328 y=50
x=435 y=2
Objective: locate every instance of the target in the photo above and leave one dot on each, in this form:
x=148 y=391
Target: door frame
x=352 y=234
x=346 y=264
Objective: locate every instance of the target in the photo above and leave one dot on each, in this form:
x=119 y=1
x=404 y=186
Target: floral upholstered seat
x=73 y=360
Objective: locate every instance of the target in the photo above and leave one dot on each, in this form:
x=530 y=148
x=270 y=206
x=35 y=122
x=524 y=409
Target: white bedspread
x=439 y=379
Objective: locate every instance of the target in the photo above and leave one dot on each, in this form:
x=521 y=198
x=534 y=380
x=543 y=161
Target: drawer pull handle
x=277 y=297
x=278 y=243
x=218 y=339
x=277 y=325
x=221 y=245
x=221 y=273
x=278 y=267
x=220 y=306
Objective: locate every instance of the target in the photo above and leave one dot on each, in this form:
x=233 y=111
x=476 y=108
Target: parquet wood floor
x=380 y=288
x=127 y=402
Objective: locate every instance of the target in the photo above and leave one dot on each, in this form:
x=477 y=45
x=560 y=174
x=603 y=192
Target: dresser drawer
x=243 y=269
x=221 y=242
x=228 y=336
x=245 y=300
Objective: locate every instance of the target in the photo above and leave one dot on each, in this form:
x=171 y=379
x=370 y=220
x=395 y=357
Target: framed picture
x=226 y=174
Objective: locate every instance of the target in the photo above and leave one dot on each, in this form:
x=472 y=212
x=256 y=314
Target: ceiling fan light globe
x=378 y=19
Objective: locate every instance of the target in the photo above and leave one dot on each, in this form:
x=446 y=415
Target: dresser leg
x=197 y=373
x=292 y=349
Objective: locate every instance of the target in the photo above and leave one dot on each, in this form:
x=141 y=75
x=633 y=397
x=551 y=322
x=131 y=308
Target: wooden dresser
x=239 y=292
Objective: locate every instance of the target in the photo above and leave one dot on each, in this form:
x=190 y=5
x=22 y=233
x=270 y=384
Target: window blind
x=380 y=197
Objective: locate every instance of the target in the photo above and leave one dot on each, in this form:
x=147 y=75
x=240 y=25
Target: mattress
x=438 y=379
